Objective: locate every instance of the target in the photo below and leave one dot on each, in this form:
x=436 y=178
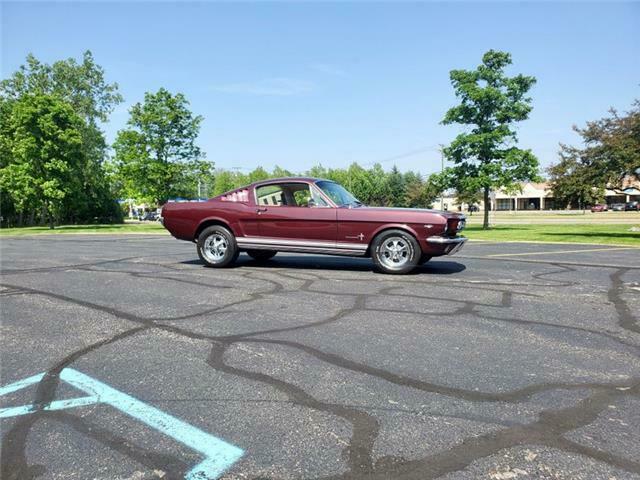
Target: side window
x=290 y=195
x=318 y=200
x=270 y=195
x=302 y=197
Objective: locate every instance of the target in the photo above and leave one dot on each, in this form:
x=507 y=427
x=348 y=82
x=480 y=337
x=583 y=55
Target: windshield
x=336 y=192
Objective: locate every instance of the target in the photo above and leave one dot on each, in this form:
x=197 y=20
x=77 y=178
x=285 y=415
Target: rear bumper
x=449 y=246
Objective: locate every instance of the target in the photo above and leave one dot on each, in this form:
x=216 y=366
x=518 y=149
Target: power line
x=411 y=153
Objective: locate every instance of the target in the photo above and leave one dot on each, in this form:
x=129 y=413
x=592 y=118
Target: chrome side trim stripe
x=352 y=246
x=283 y=242
x=285 y=248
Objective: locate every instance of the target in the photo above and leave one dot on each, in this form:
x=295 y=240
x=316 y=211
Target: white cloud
x=279 y=86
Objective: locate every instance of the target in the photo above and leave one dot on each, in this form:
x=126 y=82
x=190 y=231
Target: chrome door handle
x=260 y=210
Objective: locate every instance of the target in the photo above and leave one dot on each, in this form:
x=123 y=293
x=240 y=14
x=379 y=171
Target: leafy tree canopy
x=571 y=183
x=81 y=84
x=396 y=187
x=40 y=152
x=485 y=155
x=156 y=156
x=82 y=87
x=610 y=154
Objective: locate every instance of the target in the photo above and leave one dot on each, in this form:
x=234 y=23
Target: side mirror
x=311 y=203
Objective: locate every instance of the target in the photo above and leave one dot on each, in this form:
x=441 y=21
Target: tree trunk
x=50 y=214
x=42 y=220
x=487 y=205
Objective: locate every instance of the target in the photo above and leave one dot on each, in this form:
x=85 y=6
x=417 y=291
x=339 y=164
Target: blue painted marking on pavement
x=56 y=405
x=20 y=384
x=219 y=455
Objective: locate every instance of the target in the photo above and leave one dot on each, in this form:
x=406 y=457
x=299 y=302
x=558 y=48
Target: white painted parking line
x=562 y=251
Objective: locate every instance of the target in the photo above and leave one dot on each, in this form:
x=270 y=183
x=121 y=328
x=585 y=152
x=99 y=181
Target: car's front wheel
x=261 y=255
x=217 y=247
x=395 y=251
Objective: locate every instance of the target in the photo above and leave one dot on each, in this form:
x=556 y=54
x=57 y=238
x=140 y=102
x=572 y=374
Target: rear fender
x=214 y=220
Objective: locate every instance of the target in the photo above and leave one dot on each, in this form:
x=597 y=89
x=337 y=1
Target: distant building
x=537 y=196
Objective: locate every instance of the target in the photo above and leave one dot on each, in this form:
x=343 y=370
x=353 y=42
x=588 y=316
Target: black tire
x=408 y=258
x=225 y=254
x=261 y=255
x=424 y=259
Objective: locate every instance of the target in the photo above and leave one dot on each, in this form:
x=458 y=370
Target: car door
x=295 y=213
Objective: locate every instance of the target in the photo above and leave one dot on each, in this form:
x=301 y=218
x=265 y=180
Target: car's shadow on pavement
x=350 y=264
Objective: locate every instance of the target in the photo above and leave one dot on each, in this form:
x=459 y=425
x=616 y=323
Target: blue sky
x=296 y=84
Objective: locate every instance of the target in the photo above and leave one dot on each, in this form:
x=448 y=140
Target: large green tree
x=485 y=155
x=156 y=156
x=396 y=188
x=83 y=86
x=571 y=182
x=40 y=155
x=610 y=155
x=224 y=181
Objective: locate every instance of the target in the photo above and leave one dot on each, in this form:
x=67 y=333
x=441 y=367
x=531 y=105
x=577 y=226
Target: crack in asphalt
x=556 y=262
x=548 y=430
x=625 y=317
x=365 y=427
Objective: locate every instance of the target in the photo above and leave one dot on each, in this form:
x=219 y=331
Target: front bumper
x=451 y=245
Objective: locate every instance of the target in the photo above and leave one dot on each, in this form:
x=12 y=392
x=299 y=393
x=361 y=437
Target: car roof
x=288 y=179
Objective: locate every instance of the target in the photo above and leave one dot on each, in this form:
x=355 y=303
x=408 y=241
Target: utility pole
x=442 y=171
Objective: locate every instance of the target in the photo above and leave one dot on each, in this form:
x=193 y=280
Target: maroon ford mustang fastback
x=312 y=216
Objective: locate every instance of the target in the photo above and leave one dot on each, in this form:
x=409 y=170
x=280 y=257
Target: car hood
x=444 y=213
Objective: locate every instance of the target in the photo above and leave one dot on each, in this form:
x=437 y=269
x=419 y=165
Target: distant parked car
x=600 y=207
x=618 y=207
x=632 y=206
x=150 y=216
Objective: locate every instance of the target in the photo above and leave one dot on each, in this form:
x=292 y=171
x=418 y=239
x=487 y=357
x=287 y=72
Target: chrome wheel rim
x=215 y=247
x=394 y=252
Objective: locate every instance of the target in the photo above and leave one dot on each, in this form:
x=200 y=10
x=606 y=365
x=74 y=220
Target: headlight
x=454 y=225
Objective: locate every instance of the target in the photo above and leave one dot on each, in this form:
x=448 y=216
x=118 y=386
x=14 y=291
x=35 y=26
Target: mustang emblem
x=360 y=236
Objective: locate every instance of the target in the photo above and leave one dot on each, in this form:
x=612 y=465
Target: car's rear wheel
x=261 y=255
x=395 y=252
x=217 y=247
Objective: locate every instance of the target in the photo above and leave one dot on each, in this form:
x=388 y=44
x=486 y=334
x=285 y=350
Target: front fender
x=399 y=226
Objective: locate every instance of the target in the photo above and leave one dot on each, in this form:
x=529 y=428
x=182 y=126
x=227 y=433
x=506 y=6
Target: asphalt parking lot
x=123 y=358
